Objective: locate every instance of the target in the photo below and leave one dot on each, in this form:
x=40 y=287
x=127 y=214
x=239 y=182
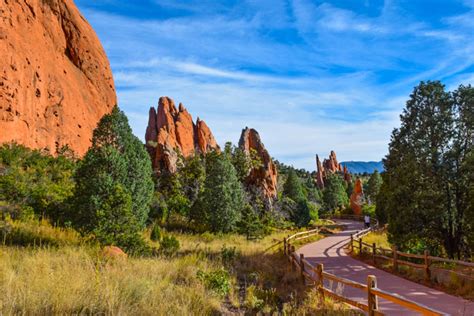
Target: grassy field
x=55 y=272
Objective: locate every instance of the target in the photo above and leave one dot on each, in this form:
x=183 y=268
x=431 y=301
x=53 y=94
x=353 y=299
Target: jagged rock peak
x=327 y=167
x=265 y=177
x=55 y=78
x=171 y=132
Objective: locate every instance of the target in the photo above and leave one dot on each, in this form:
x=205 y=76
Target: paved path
x=329 y=251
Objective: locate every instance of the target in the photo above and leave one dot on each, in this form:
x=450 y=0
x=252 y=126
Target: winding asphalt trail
x=329 y=251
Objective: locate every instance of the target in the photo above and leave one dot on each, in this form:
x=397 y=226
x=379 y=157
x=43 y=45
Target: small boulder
x=113 y=252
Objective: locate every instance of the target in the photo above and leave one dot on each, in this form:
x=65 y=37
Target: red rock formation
x=357 y=197
x=329 y=166
x=171 y=132
x=319 y=173
x=347 y=175
x=205 y=140
x=55 y=79
x=266 y=176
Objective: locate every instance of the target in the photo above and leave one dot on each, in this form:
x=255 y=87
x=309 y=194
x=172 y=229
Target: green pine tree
x=373 y=186
x=334 y=194
x=114 y=183
x=222 y=199
x=293 y=188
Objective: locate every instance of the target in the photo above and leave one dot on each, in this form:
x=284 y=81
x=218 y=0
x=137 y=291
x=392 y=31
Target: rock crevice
x=55 y=78
x=171 y=132
x=265 y=176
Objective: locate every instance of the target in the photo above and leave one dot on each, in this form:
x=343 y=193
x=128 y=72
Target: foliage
x=229 y=254
x=369 y=209
x=113 y=184
x=313 y=211
x=169 y=245
x=35 y=181
x=217 y=281
x=250 y=224
x=373 y=186
x=301 y=215
x=425 y=193
x=334 y=194
x=287 y=207
x=293 y=188
x=219 y=206
x=155 y=234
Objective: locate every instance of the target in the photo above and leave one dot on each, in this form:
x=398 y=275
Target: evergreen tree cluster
x=426 y=196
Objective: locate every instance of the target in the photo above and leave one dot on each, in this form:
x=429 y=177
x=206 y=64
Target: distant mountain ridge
x=363 y=166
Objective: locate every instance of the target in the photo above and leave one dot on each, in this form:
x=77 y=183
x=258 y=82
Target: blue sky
x=310 y=76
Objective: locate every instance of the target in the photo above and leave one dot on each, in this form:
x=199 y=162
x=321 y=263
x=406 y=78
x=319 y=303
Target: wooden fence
x=316 y=277
x=424 y=262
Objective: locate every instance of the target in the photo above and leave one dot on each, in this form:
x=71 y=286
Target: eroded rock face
x=266 y=176
x=55 y=79
x=329 y=166
x=172 y=132
x=357 y=197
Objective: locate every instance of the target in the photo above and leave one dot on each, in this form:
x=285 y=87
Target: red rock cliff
x=264 y=177
x=171 y=132
x=55 y=79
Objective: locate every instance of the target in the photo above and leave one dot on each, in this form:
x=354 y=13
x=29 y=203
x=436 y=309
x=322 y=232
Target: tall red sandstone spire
x=171 y=132
x=55 y=82
x=266 y=176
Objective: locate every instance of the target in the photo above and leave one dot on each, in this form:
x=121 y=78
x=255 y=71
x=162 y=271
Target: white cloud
x=310 y=78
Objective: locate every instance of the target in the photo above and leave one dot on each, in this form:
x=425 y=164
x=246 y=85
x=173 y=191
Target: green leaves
x=223 y=196
x=334 y=194
x=114 y=184
x=425 y=195
x=36 y=180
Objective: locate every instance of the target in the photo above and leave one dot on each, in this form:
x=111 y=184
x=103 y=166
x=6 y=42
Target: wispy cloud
x=310 y=76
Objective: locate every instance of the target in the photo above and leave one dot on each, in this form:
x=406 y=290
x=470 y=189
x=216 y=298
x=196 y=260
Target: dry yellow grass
x=70 y=277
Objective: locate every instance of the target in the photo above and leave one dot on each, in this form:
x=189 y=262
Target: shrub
x=301 y=215
x=229 y=254
x=155 y=233
x=169 y=245
x=218 y=281
x=250 y=224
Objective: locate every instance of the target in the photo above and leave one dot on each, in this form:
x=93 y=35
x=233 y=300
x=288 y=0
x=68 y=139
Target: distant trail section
x=331 y=253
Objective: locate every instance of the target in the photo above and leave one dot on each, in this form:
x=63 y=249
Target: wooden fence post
x=302 y=267
x=360 y=246
x=320 y=283
x=372 y=300
x=292 y=256
x=395 y=255
x=352 y=243
x=374 y=252
x=427 y=267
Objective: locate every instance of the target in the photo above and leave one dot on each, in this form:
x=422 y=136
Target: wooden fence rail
x=396 y=257
x=316 y=277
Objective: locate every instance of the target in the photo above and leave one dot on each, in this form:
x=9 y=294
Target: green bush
x=35 y=181
x=155 y=233
x=229 y=254
x=169 y=245
x=217 y=281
